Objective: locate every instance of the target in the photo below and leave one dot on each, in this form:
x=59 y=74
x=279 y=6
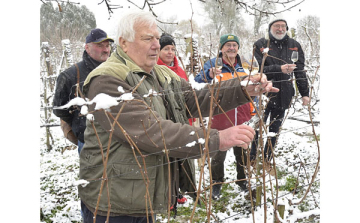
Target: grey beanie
x=277 y=20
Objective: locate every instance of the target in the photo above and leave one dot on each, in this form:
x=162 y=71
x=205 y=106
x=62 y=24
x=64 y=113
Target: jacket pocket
x=129 y=187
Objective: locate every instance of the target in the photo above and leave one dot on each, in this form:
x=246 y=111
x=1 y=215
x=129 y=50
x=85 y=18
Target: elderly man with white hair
x=279 y=68
x=148 y=129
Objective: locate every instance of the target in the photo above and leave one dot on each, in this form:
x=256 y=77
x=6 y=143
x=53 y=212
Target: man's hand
x=305 y=100
x=288 y=68
x=239 y=135
x=263 y=85
x=213 y=71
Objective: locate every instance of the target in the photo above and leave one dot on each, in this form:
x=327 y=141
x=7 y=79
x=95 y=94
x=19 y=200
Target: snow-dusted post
x=46 y=53
x=67 y=52
x=192 y=53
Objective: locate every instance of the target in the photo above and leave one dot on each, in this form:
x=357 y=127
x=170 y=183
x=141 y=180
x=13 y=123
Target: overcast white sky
x=182 y=9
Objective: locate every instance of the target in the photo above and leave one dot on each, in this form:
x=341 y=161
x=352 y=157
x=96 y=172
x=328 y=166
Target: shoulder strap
x=78 y=91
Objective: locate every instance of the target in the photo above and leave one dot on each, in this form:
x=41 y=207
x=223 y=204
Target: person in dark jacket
x=279 y=70
x=97 y=50
x=229 y=45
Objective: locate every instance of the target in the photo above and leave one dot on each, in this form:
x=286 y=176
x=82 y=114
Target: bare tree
x=261 y=18
x=223 y=16
x=167 y=25
x=65 y=21
x=308 y=33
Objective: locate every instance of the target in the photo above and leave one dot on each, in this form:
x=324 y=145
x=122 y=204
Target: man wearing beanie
x=279 y=70
x=229 y=45
x=97 y=50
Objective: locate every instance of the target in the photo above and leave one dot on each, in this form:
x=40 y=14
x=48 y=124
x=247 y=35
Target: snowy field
x=296 y=146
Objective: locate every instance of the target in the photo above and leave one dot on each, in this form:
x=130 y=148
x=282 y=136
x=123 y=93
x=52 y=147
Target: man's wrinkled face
x=230 y=49
x=278 y=30
x=99 y=51
x=144 y=51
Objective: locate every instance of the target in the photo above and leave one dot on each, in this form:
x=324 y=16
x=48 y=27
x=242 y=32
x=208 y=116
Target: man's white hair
x=127 y=22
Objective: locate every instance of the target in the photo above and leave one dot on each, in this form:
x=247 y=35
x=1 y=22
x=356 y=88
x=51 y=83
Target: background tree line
x=72 y=22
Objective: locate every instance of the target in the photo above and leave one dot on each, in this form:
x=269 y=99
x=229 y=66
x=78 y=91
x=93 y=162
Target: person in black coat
x=97 y=50
x=280 y=70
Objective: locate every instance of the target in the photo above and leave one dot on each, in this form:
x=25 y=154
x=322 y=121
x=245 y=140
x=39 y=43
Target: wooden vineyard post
x=258 y=183
x=67 y=53
x=46 y=53
x=281 y=210
x=46 y=82
x=192 y=51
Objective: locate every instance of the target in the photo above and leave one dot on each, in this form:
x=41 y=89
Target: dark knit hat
x=97 y=36
x=166 y=39
x=227 y=38
x=277 y=20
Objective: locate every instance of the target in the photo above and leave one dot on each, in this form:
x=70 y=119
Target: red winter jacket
x=178 y=70
x=237 y=116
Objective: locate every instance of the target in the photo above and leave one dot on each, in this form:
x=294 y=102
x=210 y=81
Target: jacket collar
x=121 y=55
x=90 y=63
x=237 y=59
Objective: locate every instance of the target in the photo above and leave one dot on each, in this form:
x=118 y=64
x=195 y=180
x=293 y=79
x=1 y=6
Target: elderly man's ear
x=123 y=44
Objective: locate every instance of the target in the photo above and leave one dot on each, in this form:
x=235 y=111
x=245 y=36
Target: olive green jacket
x=146 y=124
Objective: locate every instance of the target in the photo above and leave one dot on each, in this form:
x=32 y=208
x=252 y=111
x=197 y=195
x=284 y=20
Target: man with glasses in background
x=278 y=67
x=228 y=69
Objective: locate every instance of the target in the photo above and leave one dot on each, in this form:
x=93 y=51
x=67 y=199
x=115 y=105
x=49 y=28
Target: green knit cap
x=228 y=37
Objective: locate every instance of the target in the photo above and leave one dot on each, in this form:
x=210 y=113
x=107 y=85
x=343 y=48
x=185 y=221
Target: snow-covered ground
x=296 y=145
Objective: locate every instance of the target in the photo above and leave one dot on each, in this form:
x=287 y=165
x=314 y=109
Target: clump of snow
x=271 y=134
x=126 y=97
x=81 y=182
x=84 y=110
x=244 y=83
x=151 y=93
x=121 y=89
x=90 y=117
x=191 y=144
x=75 y=101
x=104 y=101
x=195 y=85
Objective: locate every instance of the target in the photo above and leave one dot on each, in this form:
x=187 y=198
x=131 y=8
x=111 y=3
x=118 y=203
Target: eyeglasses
x=277 y=26
x=229 y=45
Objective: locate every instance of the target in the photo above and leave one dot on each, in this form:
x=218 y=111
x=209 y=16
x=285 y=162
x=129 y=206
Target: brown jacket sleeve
x=149 y=131
x=230 y=96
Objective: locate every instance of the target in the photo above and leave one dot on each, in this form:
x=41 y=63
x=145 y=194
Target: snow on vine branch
x=102 y=101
